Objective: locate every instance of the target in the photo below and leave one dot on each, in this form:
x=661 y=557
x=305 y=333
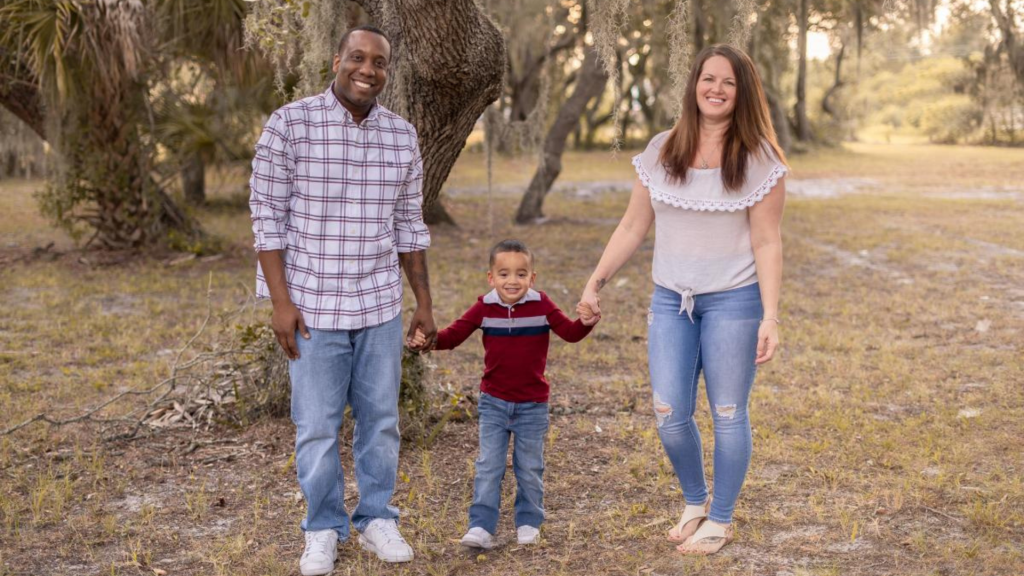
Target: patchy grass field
x=887 y=435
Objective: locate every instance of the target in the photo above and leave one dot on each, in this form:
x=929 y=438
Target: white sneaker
x=528 y=534
x=321 y=550
x=383 y=539
x=477 y=537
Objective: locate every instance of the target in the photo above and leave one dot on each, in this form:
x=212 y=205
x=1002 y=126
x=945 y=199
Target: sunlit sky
x=819 y=46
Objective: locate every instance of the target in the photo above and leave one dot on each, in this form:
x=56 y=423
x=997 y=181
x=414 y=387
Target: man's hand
x=422 y=334
x=415 y=266
x=286 y=321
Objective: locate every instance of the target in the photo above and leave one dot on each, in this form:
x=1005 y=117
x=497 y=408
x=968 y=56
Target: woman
x=714 y=184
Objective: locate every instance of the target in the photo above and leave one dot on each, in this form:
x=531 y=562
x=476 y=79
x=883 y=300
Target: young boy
x=516 y=321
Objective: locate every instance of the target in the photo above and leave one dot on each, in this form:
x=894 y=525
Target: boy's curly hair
x=510 y=246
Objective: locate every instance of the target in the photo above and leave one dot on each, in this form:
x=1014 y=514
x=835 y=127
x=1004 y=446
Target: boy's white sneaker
x=528 y=534
x=321 y=550
x=383 y=539
x=477 y=537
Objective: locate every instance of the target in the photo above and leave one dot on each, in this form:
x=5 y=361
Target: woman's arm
x=766 y=242
x=628 y=236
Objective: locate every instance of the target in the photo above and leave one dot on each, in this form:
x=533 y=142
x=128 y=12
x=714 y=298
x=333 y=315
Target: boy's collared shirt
x=515 y=338
x=342 y=200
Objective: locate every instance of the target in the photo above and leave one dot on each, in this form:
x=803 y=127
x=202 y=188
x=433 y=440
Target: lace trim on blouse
x=706 y=204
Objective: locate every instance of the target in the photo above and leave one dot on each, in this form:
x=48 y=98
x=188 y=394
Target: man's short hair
x=363 y=28
x=510 y=246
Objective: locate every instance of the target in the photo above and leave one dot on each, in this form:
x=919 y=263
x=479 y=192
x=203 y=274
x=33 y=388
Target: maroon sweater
x=516 y=341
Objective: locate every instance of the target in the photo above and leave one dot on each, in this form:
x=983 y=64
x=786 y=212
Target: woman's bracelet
x=777 y=321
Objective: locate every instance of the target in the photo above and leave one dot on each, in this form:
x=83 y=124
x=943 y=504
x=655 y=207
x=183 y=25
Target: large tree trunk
x=590 y=82
x=448 y=65
x=803 y=126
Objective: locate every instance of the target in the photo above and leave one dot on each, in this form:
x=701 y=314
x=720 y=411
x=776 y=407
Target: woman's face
x=716 y=89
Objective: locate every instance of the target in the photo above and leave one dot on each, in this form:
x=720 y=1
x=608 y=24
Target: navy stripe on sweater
x=523 y=331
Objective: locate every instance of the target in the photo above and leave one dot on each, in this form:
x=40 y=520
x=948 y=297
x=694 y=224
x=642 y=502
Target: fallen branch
x=200 y=390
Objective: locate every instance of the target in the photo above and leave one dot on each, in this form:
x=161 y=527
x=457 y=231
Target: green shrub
x=951 y=119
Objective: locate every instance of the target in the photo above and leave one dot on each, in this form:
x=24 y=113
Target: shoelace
x=317 y=543
x=389 y=530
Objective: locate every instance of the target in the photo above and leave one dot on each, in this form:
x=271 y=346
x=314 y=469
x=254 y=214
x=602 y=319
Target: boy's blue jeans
x=361 y=368
x=721 y=340
x=527 y=423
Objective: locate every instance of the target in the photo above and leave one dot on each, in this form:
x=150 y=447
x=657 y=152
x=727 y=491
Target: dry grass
x=887 y=436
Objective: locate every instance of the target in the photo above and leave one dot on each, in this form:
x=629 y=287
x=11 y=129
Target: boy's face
x=512 y=275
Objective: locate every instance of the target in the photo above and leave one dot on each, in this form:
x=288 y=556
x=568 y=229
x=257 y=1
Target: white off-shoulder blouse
x=702 y=231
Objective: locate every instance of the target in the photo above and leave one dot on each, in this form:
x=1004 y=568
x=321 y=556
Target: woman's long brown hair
x=750 y=126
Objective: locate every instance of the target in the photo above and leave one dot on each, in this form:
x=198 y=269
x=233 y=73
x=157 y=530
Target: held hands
x=767 y=341
x=422 y=334
x=418 y=340
x=589 y=307
x=587 y=315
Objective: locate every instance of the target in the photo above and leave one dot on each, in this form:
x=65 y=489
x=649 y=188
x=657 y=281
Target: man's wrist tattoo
x=601 y=282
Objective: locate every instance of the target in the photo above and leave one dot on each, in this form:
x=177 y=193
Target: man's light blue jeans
x=721 y=340
x=527 y=423
x=363 y=369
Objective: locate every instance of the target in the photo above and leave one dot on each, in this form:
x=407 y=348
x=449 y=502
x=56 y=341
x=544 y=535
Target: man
x=336 y=205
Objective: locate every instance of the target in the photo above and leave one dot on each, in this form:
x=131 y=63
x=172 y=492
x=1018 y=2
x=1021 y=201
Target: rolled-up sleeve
x=411 y=233
x=270 y=186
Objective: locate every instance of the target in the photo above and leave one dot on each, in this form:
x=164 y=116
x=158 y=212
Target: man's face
x=362 y=68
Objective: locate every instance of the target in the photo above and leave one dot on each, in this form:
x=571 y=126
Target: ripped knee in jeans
x=725 y=411
x=662 y=409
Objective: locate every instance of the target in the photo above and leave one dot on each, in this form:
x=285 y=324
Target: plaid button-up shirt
x=342 y=200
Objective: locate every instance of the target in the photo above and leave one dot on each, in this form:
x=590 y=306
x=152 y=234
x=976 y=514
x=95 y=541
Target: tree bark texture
x=803 y=126
x=19 y=93
x=448 y=65
x=589 y=84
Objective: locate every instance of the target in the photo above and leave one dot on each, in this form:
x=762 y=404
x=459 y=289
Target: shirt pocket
x=396 y=167
x=387 y=167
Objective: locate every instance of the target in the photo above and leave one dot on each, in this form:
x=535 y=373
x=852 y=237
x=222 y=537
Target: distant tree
x=213 y=91
x=1010 y=25
x=590 y=82
x=803 y=125
x=769 y=49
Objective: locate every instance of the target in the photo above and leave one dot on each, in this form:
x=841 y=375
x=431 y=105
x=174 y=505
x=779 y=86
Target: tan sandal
x=692 y=516
x=708 y=539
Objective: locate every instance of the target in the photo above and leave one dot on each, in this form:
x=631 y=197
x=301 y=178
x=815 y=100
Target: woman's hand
x=587 y=315
x=767 y=341
x=591 y=300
